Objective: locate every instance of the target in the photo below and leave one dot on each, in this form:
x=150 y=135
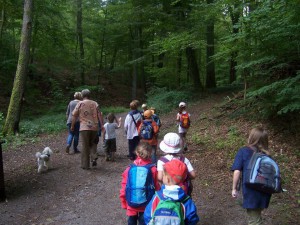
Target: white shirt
x=130 y=127
x=110 y=130
x=170 y=157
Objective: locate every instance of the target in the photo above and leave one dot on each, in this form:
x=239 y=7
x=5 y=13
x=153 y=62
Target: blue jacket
x=175 y=193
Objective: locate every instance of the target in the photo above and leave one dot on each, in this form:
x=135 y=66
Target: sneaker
x=68 y=149
x=94 y=163
x=76 y=151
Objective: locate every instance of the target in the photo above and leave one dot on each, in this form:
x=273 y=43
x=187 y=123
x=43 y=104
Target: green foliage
x=164 y=100
x=281 y=97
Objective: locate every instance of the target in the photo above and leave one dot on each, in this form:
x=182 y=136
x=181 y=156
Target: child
x=155 y=117
x=183 y=119
x=171 y=146
x=254 y=201
x=135 y=214
x=148 y=131
x=144 y=107
x=171 y=194
x=131 y=124
x=109 y=137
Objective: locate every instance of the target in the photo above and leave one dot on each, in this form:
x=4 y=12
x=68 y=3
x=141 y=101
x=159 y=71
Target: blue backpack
x=156 y=119
x=146 y=131
x=263 y=174
x=140 y=185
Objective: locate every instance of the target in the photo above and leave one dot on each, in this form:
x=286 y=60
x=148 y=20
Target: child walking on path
x=183 y=119
x=148 y=131
x=253 y=201
x=135 y=214
x=73 y=135
x=171 y=205
x=109 y=137
x=171 y=146
x=131 y=124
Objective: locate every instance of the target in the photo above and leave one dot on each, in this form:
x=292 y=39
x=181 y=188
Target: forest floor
x=67 y=194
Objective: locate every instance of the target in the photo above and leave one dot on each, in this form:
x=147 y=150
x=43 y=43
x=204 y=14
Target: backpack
x=156 y=120
x=168 y=212
x=136 y=117
x=185 y=120
x=186 y=185
x=146 y=131
x=263 y=174
x=140 y=185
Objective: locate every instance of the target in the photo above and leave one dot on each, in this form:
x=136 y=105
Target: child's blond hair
x=258 y=138
x=144 y=150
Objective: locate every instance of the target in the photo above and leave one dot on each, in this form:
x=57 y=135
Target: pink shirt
x=87 y=111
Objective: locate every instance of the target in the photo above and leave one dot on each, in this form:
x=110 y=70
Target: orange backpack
x=185 y=120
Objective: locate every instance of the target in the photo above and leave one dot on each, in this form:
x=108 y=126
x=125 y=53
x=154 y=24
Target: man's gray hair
x=85 y=93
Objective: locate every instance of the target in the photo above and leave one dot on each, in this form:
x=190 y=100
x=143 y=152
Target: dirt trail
x=66 y=194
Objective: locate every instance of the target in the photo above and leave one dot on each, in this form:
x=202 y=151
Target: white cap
x=171 y=143
x=182 y=104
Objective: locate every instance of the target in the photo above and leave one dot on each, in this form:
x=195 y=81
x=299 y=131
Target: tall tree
x=80 y=41
x=15 y=106
x=235 y=13
x=210 y=51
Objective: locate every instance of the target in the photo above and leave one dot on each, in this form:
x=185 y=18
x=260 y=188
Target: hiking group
x=159 y=191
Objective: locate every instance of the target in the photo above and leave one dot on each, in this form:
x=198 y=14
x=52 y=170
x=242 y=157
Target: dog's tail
x=38 y=154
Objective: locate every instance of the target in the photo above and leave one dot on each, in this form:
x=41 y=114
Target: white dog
x=43 y=159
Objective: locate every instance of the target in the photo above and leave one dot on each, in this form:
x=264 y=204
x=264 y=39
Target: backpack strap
x=164 y=159
x=133 y=120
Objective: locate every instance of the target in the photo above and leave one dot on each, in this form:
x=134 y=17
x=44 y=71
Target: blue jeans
x=73 y=135
x=153 y=155
x=132 y=144
x=132 y=220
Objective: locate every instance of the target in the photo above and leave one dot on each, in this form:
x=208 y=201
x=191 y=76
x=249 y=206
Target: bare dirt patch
x=66 y=194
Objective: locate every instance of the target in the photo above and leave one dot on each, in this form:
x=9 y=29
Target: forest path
x=67 y=194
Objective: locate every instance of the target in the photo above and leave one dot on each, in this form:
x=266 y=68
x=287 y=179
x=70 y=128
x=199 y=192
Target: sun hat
x=182 y=104
x=176 y=169
x=148 y=114
x=170 y=143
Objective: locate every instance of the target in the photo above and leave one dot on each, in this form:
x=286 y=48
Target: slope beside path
x=66 y=194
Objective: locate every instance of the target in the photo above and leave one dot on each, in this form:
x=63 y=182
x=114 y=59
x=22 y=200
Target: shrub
x=164 y=100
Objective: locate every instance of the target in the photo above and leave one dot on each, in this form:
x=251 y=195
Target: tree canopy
x=173 y=44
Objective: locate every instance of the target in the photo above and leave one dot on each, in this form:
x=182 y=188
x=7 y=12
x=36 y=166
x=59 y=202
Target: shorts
x=110 y=145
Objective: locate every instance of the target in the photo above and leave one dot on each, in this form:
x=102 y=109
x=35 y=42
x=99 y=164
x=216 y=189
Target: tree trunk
x=210 y=51
x=80 y=40
x=179 y=66
x=193 y=70
x=2 y=185
x=234 y=15
x=113 y=59
x=2 y=21
x=14 y=108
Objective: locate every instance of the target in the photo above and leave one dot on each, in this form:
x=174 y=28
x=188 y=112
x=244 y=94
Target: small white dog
x=43 y=159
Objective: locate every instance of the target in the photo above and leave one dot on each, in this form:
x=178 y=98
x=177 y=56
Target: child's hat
x=176 y=169
x=182 y=104
x=148 y=114
x=171 y=143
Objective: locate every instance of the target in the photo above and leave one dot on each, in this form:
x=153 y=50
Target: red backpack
x=185 y=120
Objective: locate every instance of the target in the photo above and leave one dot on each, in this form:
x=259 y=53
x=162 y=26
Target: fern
x=283 y=96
